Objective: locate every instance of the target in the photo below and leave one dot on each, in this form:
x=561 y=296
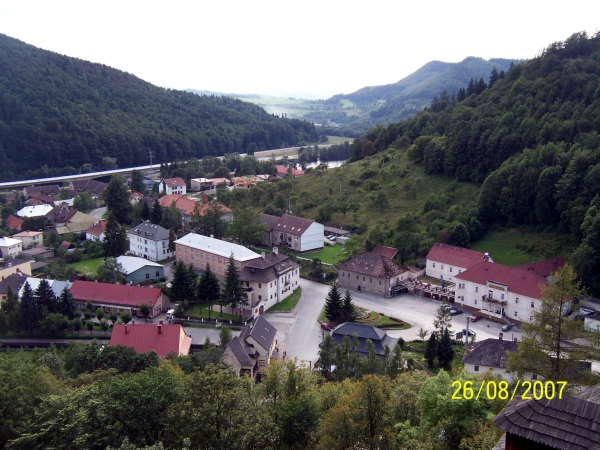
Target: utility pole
x=467 y=333
x=150 y=154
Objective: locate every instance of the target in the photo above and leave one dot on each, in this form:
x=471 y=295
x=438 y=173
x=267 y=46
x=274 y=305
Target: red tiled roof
x=97 y=229
x=388 y=252
x=281 y=170
x=174 y=182
x=114 y=294
x=66 y=245
x=187 y=205
x=374 y=265
x=145 y=338
x=456 y=256
x=135 y=195
x=14 y=222
x=518 y=280
x=544 y=268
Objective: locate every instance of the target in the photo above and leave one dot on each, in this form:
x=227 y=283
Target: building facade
x=172 y=186
x=370 y=272
x=140 y=270
x=30 y=238
x=297 y=233
x=10 y=247
x=446 y=261
x=149 y=241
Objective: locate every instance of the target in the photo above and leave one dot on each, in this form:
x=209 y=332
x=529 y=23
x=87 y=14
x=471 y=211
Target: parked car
x=447 y=306
x=507 y=327
x=456 y=312
x=475 y=318
x=471 y=332
x=326 y=326
x=332 y=238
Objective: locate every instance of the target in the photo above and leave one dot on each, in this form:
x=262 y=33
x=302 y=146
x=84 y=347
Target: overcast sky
x=322 y=47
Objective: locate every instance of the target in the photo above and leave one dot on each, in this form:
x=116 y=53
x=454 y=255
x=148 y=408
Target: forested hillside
x=401 y=100
x=531 y=138
x=59 y=113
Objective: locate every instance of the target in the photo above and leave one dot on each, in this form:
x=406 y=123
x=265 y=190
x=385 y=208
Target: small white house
x=170 y=186
x=10 y=247
x=298 y=233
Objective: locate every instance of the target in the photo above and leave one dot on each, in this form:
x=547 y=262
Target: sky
x=291 y=47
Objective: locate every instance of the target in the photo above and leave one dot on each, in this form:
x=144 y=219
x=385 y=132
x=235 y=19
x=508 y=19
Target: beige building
x=12 y=266
x=370 y=272
x=30 y=238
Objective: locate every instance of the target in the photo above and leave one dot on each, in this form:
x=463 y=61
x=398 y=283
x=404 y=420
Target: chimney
x=262 y=255
x=501 y=336
x=160 y=327
x=515 y=339
x=133 y=322
x=276 y=250
x=125 y=328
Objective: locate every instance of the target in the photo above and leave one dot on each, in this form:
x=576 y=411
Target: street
x=97 y=213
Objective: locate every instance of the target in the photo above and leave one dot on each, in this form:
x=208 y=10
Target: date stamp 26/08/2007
x=493 y=389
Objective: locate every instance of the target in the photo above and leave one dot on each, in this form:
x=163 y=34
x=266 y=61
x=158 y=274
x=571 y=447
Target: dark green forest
x=61 y=115
x=530 y=138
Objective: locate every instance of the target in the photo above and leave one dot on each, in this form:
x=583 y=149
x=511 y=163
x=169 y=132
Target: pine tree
x=208 y=288
x=471 y=87
x=171 y=247
x=29 y=309
x=333 y=304
x=431 y=349
x=461 y=95
x=232 y=293
x=480 y=86
x=348 y=312
x=156 y=212
x=66 y=305
x=145 y=215
x=445 y=352
x=11 y=301
x=115 y=238
x=493 y=77
x=116 y=198
x=396 y=363
x=180 y=288
x=45 y=298
x=326 y=356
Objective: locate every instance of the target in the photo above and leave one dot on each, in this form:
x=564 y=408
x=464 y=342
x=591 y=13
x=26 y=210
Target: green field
x=330 y=254
x=88 y=266
x=289 y=303
x=339 y=139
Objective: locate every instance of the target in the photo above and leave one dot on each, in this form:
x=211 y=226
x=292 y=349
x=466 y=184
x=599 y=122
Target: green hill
x=58 y=114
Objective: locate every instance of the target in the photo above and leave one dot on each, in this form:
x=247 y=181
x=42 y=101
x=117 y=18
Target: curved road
x=98 y=212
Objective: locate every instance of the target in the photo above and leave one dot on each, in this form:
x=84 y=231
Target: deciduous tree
x=116 y=198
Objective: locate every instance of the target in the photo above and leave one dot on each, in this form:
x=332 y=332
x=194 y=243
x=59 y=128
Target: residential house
x=260 y=335
x=57 y=286
x=164 y=339
x=50 y=189
x=14 y=223
x=171 y=186
x=282 y=171
x=570 y=422
x=12 y=266
x=117 y=297
x=297 y=233
x=41 y=198
x=186 y=206
x=378 y=337
x=95 y=188
x=199 y=250
x=269 y=280
x=446 y=261
x=388 y=252
x=30 y=238
x=489 y=354
x=140 y=270
x=241 y=357
x=60 y=215
x=544 y=268
x=217 y=181
x=78 y=223
x=201 y=184
x=149 y=241
x=10 y=247
x=14 y=282
x=38 y=253
x=96 y=232
x=135 y=198
x=34 y=211
x=499 y=291
x=370 y=272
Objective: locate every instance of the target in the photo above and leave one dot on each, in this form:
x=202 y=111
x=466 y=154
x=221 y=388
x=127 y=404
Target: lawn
x=88 y=266
x=201 y=311
x=289 y=303
x=383 y=321
x=339 y=139
x=330 y=254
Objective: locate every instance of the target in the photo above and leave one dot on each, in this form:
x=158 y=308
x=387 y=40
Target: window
x=462 y=298
x=186 y=250
x=220 y=270
x=219 y=260
x=476 y=369
x=441 y=277
x=179 y=247
x=434 y=265
x=476 y=289
x=370 y=280
x=379 y=282
x=157 y=273
x=259 y=286
x=214 y=258
x=363 y=278
x=450 y=269
x=501 y=296
x=214 y=268
x=475 y=301
x=146 y=241
x=186 y=259
x=201 y=255
x=517 y=300
x=516 y=315
x=147 y=276
x=197 y=253
x=532 y=304
x=459 y=270
x=260 y=297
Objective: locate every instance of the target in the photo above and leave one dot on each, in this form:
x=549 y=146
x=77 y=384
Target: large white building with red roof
x=500 y=290
x=445 y=261
x=117 y=297
x=161 y=338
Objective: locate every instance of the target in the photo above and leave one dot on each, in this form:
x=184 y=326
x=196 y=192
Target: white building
x=489 y=354
x=10 y=247
x=30 y=238
x=172 y=186
x=500 y=290
x=35 y=211
x=269 y=280
x=297 y=233
x=446 y=261
x=149 y=241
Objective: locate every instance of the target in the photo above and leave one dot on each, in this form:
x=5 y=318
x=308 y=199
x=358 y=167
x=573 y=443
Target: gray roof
x=373 y=265
x=287 y=223
x=378 y=336
x=56 y=285
x=262 y=331
x=241 y=352
x=217 y=246
x=14 y=281
x=148 y=230
x=489 y=353
x=572 y=422
x=268 y=268
x=132 y=263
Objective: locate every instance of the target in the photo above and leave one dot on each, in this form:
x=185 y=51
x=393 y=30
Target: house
x=489 y=354
x=30 y=238
x=297 y=233
x=50 y=189
x=57 y=286
x=10 y=247
x=217 y=181
x=14 y=223
x=446 y=261
x=94 y=187
x=282 y=171
x=544 y=268
x=34 y=211
x=170 y=186
x=571 y=422
x=269 y=280
x=14 y=282
x=388 y=252
x=60 y=215
x=260 y=335
x=186 y=206
x=96 y=232
x=499 y=290
x=161 y=338
x=370 y=272
x=199 y=250
x=241 y=357
x=12 y=266
x=41 y=198
x=364 y=332
x=38 y=253
x=78 y=223
x=135 y=198
x=149 y=241
x=117 y=297
x=140 y=270
x=201 y=184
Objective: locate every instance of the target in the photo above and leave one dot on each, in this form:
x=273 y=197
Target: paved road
x=97 y=213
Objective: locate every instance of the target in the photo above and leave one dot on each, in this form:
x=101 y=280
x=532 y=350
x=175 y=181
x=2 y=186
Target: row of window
x=442 y=268
x=208 y=257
